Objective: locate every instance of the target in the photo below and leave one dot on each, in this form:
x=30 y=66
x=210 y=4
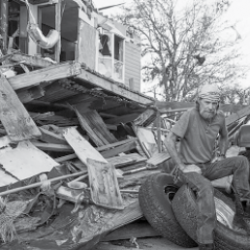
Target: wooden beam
x=102 y=148
x=4 y=24
x=51 y=137
x=58 y=28
x=237 y=115
x=27 y=95
x=13 y=115
x=113 y=87
x=123 y=119
x=52 y=147
x=52 y=73
x=31 y=60
x=120 y=149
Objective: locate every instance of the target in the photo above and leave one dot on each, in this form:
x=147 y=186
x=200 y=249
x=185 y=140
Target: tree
x=184 y=45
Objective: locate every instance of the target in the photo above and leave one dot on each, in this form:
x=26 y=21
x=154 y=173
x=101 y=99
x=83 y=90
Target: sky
x=238 y=13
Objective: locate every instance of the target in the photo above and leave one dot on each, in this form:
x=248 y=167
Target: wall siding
x=133 y=65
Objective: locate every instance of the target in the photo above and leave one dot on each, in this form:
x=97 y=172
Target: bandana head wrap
x=209 y=92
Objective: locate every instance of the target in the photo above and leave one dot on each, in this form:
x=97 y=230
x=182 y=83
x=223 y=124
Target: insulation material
x=23 y=160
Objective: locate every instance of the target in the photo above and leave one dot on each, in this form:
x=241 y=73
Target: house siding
x=133 y=66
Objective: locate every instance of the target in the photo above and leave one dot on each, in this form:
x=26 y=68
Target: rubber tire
x=156 y=207
x=184 y=207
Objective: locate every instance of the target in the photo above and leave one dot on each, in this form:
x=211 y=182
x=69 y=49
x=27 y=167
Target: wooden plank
x=4 y=24
x=52 y=73
x=123 y=119
x=104 y=186
x=121 y=161
x=87 y=127
x=13 y=115
x=237 y=115
x=158 y=158
x=120 y=149
x=51 y=137
x=52 y=147
x=28 y=95
x=58 y=21
x=112 y=87
x=102 y=148
x=95 y=121
x=103 y=182
x=31 y=60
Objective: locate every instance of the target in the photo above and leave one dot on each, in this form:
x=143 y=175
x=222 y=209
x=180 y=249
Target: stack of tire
x=171 y=211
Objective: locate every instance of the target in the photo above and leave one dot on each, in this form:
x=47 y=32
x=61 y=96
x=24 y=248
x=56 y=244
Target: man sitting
x=197 y=131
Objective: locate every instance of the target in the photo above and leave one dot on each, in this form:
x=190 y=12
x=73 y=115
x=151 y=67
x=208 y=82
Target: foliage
x=184 y=43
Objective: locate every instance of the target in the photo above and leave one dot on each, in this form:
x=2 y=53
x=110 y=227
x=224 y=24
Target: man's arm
x=223 y=144
x=170 y=144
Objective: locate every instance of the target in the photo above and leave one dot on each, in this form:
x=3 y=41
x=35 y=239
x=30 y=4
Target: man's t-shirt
x=198 y=136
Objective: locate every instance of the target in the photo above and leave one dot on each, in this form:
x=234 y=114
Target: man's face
x=207 y=108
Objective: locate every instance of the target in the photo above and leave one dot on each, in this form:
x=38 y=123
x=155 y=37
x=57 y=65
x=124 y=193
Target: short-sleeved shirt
x=198 y=136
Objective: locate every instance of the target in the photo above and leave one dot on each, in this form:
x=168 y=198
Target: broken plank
x=13 y=115
x=52 y=73
x=237 y=115
x=120 y=149
x=52 y=147
x=96 y=122
x=100 y=149
x=124 y=160
x=30 y=94
x=104 y=187
x=51 y=137
x=33 y=61
x=87 y=127
x=103 y=182
x=122 y=119
x=158 y=158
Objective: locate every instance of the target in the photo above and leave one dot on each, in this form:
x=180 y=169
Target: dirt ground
x=156 y=243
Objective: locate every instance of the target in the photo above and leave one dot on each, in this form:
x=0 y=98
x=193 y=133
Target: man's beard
x=207 y=115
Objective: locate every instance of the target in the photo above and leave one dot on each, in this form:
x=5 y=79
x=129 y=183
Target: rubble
x=76 y=142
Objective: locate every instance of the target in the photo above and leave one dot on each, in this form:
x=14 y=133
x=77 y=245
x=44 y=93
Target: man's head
x=208 y=100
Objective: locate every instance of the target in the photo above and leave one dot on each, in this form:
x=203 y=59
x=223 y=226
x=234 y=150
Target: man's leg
x=237 y=166
x=206 y=218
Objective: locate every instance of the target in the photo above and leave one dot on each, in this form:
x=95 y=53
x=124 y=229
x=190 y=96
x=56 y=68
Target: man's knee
x=242 y=162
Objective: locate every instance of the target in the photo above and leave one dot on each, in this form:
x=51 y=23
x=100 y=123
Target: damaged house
x=75 y=144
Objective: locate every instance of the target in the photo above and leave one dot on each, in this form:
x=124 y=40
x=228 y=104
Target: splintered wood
x=104 y=187
x=13 y=115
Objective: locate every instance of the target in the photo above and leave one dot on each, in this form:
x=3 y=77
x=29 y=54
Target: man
x=197 y=131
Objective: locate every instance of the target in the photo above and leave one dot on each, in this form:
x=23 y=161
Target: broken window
x=118 y=60
x=105 y=54
x=111 y=58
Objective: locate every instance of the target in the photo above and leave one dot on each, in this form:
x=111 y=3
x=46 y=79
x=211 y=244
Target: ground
x=156 y=243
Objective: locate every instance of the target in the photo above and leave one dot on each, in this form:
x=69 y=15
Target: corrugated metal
x=133 y=66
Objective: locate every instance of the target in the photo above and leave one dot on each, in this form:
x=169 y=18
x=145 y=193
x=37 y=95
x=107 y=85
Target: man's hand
x=192 y=168
x=221 y=157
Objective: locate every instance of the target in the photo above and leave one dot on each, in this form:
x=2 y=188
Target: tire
x=155 y=197
x=226 y=237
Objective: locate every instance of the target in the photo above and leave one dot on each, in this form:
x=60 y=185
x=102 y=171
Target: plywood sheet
x=24 y=160
x=86 y=44
x=13 y=115
x=103 y=181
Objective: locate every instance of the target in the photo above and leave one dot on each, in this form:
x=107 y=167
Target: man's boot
x=242 y=214
x=206 y=247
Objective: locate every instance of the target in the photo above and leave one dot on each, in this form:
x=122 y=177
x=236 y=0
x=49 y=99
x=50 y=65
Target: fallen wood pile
x=70 y=179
